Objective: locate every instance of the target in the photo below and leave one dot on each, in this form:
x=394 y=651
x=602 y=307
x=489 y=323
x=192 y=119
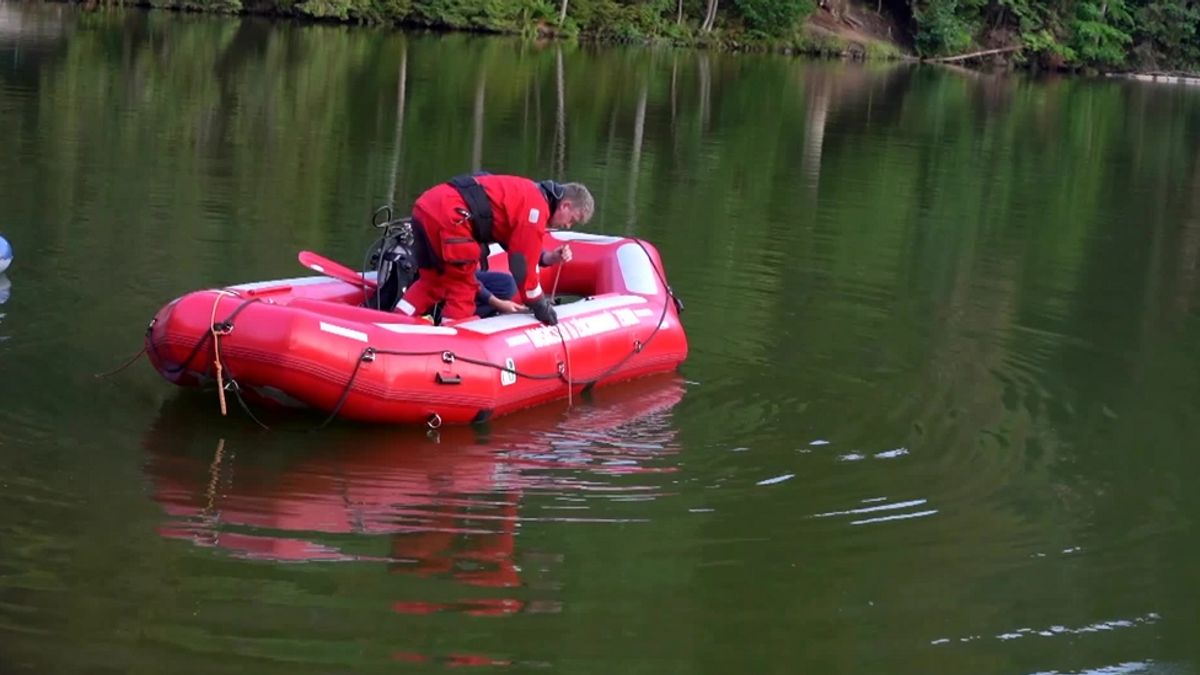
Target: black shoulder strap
x=477 y=203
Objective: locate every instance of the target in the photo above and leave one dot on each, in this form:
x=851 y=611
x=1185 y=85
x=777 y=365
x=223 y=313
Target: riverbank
x=830 y=29
x=846 y=29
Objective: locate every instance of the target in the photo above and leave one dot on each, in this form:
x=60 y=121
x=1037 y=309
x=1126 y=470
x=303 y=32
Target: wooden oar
x=331 y=268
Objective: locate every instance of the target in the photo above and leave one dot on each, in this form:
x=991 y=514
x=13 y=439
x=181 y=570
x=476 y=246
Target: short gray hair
x=580 y=198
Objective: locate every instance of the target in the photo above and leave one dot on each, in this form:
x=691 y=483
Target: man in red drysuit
x=453 y=220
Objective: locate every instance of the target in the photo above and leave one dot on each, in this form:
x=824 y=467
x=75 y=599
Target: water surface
x=938 y=414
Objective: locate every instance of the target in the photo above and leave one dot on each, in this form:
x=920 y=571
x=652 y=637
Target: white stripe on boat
x=499 y=324
x=411 y=329
x=294 y=281
x=344 y=332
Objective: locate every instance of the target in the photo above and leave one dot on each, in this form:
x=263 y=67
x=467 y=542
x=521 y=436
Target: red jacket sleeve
x=527 y=214
x=526 y=242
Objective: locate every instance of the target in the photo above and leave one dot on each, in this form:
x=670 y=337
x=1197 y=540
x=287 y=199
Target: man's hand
x=562 y=254
x=543 y=311
x=505 y=306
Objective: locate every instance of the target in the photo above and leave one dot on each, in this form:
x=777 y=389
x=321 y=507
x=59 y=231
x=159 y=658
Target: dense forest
x=1060 y=34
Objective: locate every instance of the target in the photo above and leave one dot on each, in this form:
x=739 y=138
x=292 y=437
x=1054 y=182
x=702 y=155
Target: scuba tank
x=394 y=257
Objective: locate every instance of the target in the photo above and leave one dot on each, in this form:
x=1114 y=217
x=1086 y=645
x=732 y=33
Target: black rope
x=638 y=345
x=366 y=355
x=468 y=359
x=123 y=366
x=174 y=370
x=226 y=326
x=237 y=392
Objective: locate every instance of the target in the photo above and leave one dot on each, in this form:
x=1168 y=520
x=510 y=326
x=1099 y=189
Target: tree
x=710 y=16
x=1099 y=31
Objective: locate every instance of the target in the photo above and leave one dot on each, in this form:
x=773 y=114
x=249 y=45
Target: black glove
x=543 y=311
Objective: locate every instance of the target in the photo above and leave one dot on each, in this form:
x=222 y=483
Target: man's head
x=575 y=207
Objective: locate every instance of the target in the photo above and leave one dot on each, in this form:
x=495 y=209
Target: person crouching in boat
x=454 y=221
x=497 y=289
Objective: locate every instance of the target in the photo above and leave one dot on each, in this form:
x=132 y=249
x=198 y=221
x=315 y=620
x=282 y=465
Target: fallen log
x=963 y=57
x=1160 y=77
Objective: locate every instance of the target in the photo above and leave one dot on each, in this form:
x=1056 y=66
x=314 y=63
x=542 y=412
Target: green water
x=938 y=417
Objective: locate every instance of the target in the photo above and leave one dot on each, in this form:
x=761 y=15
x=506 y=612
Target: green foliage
x=491 y=15
x=820 y=43
x=218 y=6
x=773 y=17
x=610 y=19
x=1167 y=34
x=883 y=51
x=1044 y=43
x=1098 y=31
x=941 y=27
x=1070 y=33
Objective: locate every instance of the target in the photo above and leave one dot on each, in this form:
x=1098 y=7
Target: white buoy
x=6 y=254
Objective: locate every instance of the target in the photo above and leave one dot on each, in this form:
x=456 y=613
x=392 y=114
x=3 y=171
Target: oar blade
x=331 y=268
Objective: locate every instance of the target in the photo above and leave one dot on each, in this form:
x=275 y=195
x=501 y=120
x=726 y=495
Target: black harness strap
x=478 y=205
x=479 y=212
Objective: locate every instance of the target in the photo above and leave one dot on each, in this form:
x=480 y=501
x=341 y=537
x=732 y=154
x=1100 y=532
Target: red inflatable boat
x=309 y=342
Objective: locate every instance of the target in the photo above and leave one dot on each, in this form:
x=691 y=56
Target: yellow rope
x=212 y=326
x=214 y=475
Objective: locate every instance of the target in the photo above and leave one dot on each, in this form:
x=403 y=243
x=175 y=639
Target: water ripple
x=1125 y=668
x=1059 y=630
x=881 y=507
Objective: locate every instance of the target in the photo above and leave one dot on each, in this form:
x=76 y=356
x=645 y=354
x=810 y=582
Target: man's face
x=565 y=216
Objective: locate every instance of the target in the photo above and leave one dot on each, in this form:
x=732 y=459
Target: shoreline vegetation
x=1152 y=40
